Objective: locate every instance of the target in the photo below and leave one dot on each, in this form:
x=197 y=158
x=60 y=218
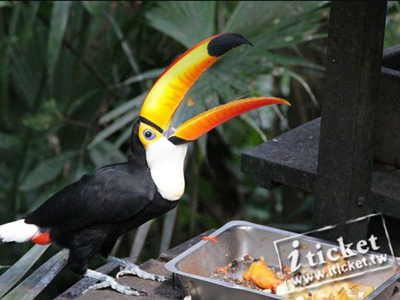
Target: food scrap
x=336 y=291
x=256 y=274
x=222 y=270
x=261 y=275
x=210 y=238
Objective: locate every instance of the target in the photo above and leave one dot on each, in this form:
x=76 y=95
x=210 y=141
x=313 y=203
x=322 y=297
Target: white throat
x=166 y=163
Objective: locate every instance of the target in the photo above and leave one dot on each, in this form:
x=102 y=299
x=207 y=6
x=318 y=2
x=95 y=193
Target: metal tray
x=238 y=238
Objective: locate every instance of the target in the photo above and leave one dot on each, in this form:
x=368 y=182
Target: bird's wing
x=112 y=195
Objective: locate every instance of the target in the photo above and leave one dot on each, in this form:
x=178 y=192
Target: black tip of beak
x=177 y=141
x=225 y=42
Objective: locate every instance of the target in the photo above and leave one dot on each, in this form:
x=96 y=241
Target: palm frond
x=59 y=19
x=46 y=171
x=186 y=21
x=104 y=152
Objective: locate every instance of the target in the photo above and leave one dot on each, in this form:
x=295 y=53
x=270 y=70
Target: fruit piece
x=261 y=275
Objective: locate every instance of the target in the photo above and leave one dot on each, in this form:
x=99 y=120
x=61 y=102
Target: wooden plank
x=387 y=124
x=391 y=57
x=268 y=163
x=77 y=289
x=292 y=160
x=386 y=192
x=353 y=66
x=155 y=290
x=172 y=289
x=175 y=251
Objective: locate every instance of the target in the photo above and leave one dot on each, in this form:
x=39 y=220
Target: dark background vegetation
x=73 y=75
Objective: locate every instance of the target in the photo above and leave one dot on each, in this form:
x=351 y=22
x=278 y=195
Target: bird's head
x=165 y=146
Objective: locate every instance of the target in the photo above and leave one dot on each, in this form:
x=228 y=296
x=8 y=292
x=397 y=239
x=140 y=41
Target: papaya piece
x=261 y=275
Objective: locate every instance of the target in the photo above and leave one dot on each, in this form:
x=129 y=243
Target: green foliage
x=73 y=76
x=187 y=22
x=96 y=8
x=46 y=171
x=392 y=33
x=8 y=141
x=105 y=153
x=58 y=24
x=46 y=118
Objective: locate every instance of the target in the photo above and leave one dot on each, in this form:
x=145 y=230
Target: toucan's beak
x=169 y=90
x=195 y=127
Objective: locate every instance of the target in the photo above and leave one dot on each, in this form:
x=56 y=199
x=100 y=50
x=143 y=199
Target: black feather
x=89 y=215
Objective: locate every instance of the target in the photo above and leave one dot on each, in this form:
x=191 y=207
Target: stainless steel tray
x=238 y=238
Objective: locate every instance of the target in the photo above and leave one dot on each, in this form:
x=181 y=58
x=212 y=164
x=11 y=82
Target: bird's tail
x=18 y=231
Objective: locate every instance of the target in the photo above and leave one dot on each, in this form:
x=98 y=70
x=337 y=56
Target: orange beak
x=171 y=87
x=199 y=125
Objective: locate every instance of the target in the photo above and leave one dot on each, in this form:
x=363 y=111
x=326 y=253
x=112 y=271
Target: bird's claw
x=128 y=268
x=120 y=288
x=135 y=270
x=109 y=282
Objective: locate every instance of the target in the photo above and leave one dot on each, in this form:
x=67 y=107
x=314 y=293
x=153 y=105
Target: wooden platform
x=173 y=288
x=292 y=159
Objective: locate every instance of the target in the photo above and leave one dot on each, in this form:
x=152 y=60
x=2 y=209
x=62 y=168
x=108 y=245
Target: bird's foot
x=128 y=268
x=106 y=281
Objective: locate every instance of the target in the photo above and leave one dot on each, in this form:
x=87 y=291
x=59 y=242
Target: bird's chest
x=169 y=179
x=157 y=207
x=166 y=164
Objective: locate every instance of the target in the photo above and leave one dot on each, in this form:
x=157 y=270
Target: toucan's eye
x=148 y=134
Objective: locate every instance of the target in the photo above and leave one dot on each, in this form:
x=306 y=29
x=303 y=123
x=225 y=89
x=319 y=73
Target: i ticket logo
x=310 y=262
x=320 y=257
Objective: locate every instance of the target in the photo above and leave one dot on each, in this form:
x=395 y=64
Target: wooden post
x=352 y=89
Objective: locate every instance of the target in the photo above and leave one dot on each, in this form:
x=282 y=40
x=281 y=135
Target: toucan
x=88 y=216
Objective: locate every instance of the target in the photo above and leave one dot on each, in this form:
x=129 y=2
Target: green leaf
x=58 y=24
x=40 y=279
x=123 y=108
x=254 y=126
x=124 y=44
x=150 y=74
x=290 y=60
x=123 y=137
x=20 y=268
x=78 y=103
x=187 y=22
x=254 y=18
x=202 y=146
x=47 y=117
x=105 y=153
x=96 y=8
x=114 y=127
x=8 y=141
x=5 y=3
x=45 y=171
x=304 y=84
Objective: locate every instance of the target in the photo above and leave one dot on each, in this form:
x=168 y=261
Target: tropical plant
x=275 y=29
x=72 y=78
